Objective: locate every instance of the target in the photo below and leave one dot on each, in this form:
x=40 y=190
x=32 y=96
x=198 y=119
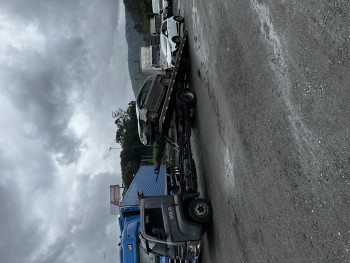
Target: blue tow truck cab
x=129 y=225
x=149 y=183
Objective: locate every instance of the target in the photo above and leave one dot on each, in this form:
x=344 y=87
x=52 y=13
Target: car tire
x=188 y=97
x=177 y=39
x=165 y=81
x=179 y=19
x=152 y=116
x=173 y=61
x=200 y=210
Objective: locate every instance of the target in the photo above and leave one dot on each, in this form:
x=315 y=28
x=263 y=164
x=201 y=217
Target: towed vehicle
x=149 y=101
x=170 y=38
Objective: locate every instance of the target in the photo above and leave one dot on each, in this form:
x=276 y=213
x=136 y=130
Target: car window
x=144 y=92
x=141 y=99
x=163 y=44
x=165 y=28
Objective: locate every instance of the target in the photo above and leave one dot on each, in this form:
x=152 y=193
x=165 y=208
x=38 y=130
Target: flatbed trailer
x=177 y=82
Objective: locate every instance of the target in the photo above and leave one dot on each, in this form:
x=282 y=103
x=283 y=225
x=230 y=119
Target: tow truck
x=172 y=225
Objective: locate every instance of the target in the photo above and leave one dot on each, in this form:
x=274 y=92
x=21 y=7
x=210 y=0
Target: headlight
x=193 y=250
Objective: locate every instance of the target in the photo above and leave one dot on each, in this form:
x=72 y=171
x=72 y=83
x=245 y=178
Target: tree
x=127 y=136
x=139 y=10
x=121 y=120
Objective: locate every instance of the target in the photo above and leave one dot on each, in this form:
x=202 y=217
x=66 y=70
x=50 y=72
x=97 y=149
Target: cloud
x=63 y=70
x=56 y=224
x=76 y=57
x=60 y=251
x=18 y=236
x=42 y=96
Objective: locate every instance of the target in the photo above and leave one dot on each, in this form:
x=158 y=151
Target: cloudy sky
x=63 y=71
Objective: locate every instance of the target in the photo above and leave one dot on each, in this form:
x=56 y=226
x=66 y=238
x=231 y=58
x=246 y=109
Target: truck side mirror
x=140 y=195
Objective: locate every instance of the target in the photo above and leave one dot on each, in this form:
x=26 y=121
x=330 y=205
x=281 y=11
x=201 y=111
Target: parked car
x=162 y=7
x=149 y=103
x=170 y=38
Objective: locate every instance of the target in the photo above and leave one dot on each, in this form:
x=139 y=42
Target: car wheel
x=177 y=39
x=173 y=60
x=152 y=116
x=165 y=81
x=200 y=210
x=179 y=19
x=188 y=97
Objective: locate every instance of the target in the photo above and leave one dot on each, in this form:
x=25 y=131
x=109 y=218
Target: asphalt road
x=272 y=127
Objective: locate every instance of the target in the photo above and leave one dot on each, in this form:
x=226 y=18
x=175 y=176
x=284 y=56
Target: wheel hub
x=201 y=209
x=152 y=116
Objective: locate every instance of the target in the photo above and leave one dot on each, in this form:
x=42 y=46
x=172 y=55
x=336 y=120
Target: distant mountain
x=136 y=31
x=134 y=41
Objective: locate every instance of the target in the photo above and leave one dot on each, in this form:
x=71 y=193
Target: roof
x=145 y=180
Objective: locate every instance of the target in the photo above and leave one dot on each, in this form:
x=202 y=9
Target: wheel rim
x=165 y=81
x=152 y=116
x=201 y=209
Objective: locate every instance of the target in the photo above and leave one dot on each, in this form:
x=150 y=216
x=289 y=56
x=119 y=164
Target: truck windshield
x=154 y=225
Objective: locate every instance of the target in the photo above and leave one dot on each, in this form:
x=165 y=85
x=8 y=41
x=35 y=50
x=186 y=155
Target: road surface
x=272 y=127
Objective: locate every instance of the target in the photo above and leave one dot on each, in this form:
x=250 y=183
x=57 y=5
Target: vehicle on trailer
x=171 y=37
x=149 y=102
x=156 y=100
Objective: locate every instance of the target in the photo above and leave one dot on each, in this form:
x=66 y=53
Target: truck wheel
x=165 y=81
x=179 y=19
x=152 y=116
x=174 y=191
x=200 y=210
x=188 y=97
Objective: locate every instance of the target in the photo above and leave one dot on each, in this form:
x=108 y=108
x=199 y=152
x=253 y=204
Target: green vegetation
x=132 y=149
x=141 y=12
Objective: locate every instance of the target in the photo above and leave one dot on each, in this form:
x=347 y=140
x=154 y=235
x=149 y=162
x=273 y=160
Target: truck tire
x=200 y=210
x=188 y=97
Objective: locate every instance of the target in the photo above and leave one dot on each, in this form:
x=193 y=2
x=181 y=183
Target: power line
x=105 y=254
